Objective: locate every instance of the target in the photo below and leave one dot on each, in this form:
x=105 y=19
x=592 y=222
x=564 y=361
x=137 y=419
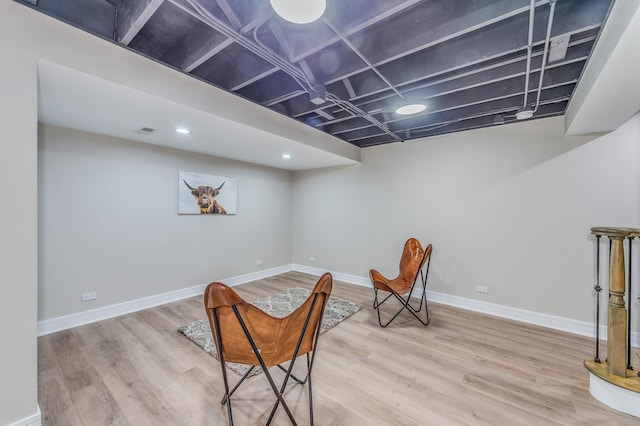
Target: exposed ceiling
x=346 y=73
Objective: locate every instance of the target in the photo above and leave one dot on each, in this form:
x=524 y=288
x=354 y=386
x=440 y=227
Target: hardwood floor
x=465 y=368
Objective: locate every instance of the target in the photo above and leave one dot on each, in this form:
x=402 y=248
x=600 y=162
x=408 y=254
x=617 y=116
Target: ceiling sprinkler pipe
x=275 y=60
x=361 y=56
x=552 y=9
x=532 y=12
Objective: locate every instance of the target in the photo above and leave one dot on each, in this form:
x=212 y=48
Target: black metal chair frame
x=405 y=301
x=279 y=393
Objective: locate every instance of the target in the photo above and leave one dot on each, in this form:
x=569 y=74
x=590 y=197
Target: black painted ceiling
x=465 y=59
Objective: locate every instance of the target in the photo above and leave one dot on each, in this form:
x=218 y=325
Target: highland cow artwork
x=199 y=193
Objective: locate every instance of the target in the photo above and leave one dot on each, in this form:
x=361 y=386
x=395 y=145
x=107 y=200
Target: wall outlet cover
x=89 y=296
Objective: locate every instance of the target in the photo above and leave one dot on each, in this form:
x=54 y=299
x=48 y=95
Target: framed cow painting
x=199 y=193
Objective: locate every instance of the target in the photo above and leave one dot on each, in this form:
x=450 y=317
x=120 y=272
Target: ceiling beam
x=490 y=106
x=369 y=21
x=244 y=82
x=506 y=8
x=425 y=93
x=437 y=57
x=511 y=24
x=349 y=87
x=467 y=104
x=229 y=13
x=504 y=68
x=208 y=48
x=132 y=16
x=545 y=111
x=285 y=47
x=508 y=65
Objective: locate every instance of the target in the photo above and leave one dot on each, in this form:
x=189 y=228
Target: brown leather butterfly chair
x=412 y=263
x=245 y=334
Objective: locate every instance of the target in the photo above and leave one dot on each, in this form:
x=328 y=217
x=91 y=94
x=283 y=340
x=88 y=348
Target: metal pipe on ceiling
x=532 y=12
x=526 y=112
x=552 y=9
x=281 y=63
x=362 y=57
x=256 y=49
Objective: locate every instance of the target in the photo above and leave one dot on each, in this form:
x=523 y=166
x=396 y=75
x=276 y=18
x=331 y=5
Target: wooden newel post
x=614 y=382
x=617 y=315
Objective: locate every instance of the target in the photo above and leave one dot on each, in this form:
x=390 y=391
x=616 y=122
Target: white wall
x=108 y=221
x=27 y=36
x=506 y=207
x=18 y=232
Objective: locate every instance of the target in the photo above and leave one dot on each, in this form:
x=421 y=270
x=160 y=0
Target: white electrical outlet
x=482 y=289
x=312 y=259
x=89 y=296
x=258 y=262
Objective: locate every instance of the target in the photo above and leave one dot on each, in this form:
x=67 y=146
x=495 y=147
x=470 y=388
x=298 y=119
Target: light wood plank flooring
x=465 y=368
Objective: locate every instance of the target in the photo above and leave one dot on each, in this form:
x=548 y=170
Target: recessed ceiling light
x=410 y=109
x=299 y=12
x=286 y=156
x=183 y=131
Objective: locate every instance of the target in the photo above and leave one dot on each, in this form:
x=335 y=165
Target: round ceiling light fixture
x=411 y=109
x=299 y=12
x=525 y=114
x=286 y=156
x=183 y=130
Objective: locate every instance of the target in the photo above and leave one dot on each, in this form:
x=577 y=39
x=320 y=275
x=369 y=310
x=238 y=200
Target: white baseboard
x=33 y=420
x=81 y=318
x=558 y=323
x=338 y=276
x=582 y=328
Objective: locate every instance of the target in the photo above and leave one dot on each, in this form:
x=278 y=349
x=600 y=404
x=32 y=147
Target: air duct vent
x=145 y=131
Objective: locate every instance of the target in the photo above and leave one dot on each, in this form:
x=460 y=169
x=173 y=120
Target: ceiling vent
x=145 y=131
